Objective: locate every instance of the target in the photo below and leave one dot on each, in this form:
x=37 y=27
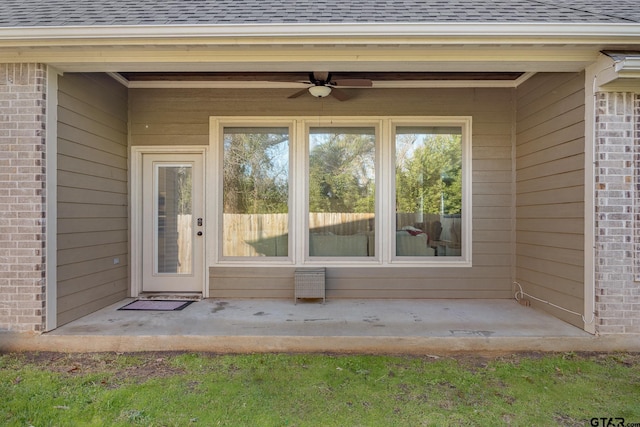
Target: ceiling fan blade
x=340 y=95
x=353 y=82
x=299 y=93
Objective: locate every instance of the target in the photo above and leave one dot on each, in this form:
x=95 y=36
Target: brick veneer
x=617 y=215
x=22 y=197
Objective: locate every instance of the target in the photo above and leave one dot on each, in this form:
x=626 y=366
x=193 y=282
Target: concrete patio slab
x=362 y=326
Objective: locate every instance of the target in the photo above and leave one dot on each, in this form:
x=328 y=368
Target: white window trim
x=215 y=189
x=305 y=126
x=298 y=186
x=464 y=260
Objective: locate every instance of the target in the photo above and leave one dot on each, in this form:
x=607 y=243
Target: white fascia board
x=469 y=32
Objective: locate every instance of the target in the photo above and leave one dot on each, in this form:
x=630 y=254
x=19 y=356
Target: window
x=428 y=191
x=341 y=177
x=173 y=234
x=255 y=192
x=349 y=191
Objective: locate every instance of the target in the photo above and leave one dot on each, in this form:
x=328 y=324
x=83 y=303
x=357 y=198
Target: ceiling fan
x=322 y=85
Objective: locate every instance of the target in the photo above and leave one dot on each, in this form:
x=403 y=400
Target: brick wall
x=617 y=263
x=22 y=197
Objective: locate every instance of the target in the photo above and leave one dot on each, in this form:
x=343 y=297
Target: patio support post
x=617 y=213
x=22 y=197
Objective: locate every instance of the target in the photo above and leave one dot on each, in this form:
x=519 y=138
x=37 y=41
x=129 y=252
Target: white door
x=172 y=223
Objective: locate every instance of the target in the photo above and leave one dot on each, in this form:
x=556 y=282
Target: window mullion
x=386 y=200
x=299 y=194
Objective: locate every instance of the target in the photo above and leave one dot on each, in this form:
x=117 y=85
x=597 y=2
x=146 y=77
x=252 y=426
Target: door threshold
x=164 y=296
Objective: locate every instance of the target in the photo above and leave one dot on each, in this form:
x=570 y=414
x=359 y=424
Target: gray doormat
x=156 y=305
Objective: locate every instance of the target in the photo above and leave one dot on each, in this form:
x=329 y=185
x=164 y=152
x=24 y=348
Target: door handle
x=199 y=233
x=199 y=222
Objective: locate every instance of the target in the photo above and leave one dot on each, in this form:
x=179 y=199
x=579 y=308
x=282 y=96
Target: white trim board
x=51 y=158
x=397 y=84
x=298 y=229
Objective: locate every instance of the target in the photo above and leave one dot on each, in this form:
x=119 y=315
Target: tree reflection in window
x=428 y=190
x=342 y=191
x=256 y=191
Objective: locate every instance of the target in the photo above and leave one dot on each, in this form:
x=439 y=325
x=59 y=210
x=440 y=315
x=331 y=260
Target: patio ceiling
x=301 y=79
x=283 y=77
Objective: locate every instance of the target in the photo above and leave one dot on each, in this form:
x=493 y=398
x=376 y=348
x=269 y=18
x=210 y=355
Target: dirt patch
x=142 y=366
x=135 y=367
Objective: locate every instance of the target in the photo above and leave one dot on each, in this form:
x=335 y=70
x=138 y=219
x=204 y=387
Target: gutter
x=629 y=67
x=382 y=33
x=624 y=73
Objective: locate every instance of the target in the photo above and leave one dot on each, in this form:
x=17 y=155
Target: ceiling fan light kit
x=320 y=91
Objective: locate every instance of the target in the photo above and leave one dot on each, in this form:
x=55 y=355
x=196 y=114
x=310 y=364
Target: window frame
x=385 y=195
x=465 y=125
x=377 y=125
x=217 y=210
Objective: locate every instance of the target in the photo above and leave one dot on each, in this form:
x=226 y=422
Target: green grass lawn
x=185 y=389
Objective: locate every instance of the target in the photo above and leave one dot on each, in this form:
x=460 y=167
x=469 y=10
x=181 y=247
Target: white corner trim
x=591 y=88
x=51 y=177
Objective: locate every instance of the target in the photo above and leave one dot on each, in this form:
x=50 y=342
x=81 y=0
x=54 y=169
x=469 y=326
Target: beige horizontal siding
x=229 y=282
x=550 y=191
x=80 y=240
x=92 y=194
x=90 y=169
x=181 y=116
x=111 y=278
x=273 y=282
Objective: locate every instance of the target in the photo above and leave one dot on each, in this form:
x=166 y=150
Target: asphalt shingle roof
x=39 y=13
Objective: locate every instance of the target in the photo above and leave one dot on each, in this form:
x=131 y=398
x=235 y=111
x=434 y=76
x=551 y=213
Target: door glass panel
x=256 y=192
x=174 y=236
x=428 y=191
x=342 y=191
